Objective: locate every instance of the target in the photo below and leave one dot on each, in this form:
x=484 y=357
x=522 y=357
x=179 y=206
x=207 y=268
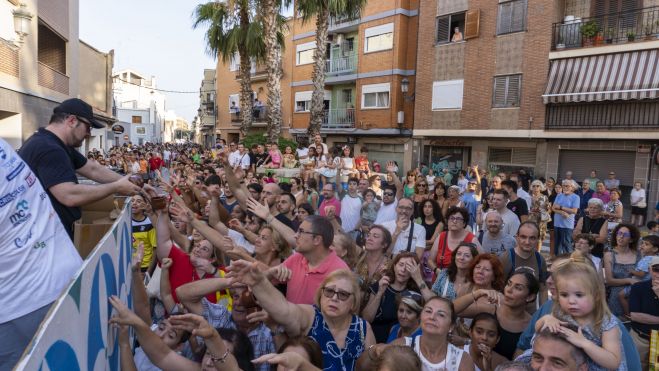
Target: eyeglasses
x=302 y=231
x=422 y=185
x=623 y=234
x=655 y=268
x=340 y=294
x=388 y=194
x=456 y=219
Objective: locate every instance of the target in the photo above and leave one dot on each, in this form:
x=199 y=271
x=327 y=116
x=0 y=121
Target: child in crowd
x=585 y=243
x=274 y=156
x=649 y=248
x=370 y=209
x=653 y=227
x=582 y=316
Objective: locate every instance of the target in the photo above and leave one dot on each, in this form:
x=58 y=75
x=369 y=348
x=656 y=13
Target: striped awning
x=619 y=76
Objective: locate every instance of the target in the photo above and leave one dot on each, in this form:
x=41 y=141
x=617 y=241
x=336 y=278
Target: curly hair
x=636 y=235
x=498 y=282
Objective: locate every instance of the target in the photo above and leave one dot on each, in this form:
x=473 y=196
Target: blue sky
x=153 y=37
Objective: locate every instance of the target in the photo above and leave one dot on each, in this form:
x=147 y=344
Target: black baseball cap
x=78 y=107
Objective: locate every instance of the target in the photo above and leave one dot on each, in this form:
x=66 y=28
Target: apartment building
x=40 y=60
x=541 y=85
x=369 y=59
x=206 y=114
x=228 y=115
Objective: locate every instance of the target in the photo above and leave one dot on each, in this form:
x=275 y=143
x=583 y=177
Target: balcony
x=340 y=118
x=343 y=24
x=613 y=28
x=53 y=79
x=259 y=115
x=341 y=65
x=612 y=115
x=257 y=73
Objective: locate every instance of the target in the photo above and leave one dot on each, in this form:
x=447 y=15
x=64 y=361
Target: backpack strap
x=512 y=259
x=538 y=259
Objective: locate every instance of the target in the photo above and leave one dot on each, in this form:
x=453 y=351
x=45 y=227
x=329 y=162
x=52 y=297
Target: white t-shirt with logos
x=37 y=257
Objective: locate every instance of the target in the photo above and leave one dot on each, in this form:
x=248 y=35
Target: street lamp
x=404 y=88
x=22 y=20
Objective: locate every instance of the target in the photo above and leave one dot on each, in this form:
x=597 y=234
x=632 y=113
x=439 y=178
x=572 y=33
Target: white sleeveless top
x=466 y=349
x=450 y=363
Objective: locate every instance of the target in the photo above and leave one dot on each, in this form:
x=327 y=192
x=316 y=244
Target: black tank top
x=507 y=342
x=594 y=226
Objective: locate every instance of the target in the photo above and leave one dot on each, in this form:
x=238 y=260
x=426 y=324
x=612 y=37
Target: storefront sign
x=447 y=142
x=118 y=129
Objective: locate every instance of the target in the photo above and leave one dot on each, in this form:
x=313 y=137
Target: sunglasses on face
x=388 y=194
x=340 y=294
x=655 y=268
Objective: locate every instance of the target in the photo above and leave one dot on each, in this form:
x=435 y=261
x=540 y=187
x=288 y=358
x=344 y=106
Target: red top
x=182 y=272
x=361 y=163
x=444 y=253
x=155 y=163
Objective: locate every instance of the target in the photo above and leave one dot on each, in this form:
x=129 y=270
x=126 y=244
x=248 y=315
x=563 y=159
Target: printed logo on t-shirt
x=11 y=196
x=3 y=154
x=14 y=173
x=22 y=241
x=9 y=164
x=30 y=179
x=21 y=215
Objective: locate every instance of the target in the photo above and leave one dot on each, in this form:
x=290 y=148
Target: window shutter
x=505 y=16
x=500 y=155
x=472 y=23
x=523 y=156
x=513 y=91
x=518 y=16
x=499 y=94
x=443 y=29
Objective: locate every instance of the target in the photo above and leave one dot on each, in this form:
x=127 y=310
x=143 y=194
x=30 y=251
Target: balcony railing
x=259 y=114
x=338 y=22
x=341 y=65
x=340 y=118
x=53 y=79
x=614 y=28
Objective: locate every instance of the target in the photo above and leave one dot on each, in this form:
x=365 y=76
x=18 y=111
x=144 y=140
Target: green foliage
x=260 y=138
x=589 y=29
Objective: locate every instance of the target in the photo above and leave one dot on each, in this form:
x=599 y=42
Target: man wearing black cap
x=52 y=156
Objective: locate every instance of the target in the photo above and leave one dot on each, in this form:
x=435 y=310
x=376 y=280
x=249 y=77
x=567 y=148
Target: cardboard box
x=94 y=224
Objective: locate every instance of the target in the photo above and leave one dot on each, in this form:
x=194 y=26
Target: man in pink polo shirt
x=313 y=259
x=329 y=201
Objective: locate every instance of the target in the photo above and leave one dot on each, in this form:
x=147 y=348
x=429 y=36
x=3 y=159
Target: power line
x=165 y=90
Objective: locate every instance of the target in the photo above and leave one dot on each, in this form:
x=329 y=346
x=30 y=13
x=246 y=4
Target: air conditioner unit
x=338 y=40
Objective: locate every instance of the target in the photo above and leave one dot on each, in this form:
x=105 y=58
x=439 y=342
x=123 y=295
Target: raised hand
x=383 y=283
x=279 y=273
x=123 y=316
x=258 y=208
x=391 y=167
x=181 y=212
x=245 y=272
x=289 y=361
x=193 y=323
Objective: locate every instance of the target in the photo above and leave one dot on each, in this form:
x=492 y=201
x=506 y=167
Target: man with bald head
x=493 y=239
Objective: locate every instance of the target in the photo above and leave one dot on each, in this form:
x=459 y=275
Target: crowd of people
x=343 y=265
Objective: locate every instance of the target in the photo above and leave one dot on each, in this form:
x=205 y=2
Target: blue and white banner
x=75 y=334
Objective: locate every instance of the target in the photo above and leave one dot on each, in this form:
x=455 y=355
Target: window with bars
x=512 y=16
x=507 y=91
x=512 y=156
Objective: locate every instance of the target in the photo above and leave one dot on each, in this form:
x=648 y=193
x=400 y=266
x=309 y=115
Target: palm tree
x=322 y=10
x=231 y=29
x=273 y=24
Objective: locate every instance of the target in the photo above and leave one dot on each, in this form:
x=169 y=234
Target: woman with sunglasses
x=619 y=262
x=332 y=321
x=410 y=184
x=380 y=310
x=409 y=305
x=421 y=193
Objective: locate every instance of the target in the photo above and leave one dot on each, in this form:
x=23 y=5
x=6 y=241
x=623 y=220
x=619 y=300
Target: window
x=447 y=94
x=506 y=157
x=234 y=64
x=303 y=100
x=348 y=46
x=376 y=95
x=347 y=95
x=136 y=119
x=141 y=130
x=506 y=91
x=512 y=17
x=305 y=52
x=379 y=38
x=51 y=49
x=446 y=28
